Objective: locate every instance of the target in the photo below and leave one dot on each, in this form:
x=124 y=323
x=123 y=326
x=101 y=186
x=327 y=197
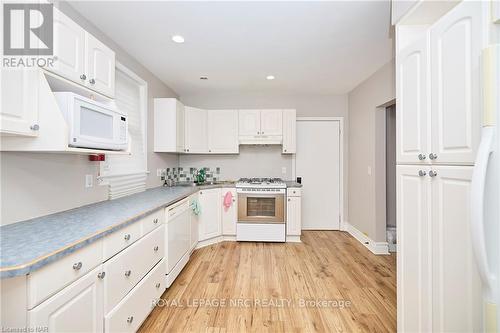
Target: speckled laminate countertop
x=29 y=245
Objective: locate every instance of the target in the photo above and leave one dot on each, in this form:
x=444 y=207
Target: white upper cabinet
x=81 y=58
x=249 y=122
x=195 y=130
x=456 y=43
x=223 y=131
x=413 y=103
x=100 y=66
x=69 y=48
x=289 y=130
x=271 y=122
x=168 y=125
x=19 y=102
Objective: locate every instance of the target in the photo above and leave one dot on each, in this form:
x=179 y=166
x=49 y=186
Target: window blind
x=126 y=174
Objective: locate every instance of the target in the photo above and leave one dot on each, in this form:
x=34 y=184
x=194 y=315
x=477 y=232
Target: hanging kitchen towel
x=228 y=200
x=196 y=207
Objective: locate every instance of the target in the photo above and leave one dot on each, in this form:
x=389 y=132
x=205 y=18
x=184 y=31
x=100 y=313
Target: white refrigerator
x=485 y=198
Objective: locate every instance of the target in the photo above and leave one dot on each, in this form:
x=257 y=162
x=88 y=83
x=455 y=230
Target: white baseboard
x=293 y=239
x=374 y=247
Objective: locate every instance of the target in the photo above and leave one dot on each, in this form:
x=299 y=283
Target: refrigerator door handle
x=477 y=207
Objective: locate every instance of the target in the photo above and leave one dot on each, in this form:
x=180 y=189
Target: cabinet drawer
x=294 y=192
x=152 y=221
x=55 y=276
x=129 y=314
x=121 y=239
x=126 y=269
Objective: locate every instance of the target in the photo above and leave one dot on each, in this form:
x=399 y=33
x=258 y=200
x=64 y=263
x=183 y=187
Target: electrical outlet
x=89 y=181
x=283 y=170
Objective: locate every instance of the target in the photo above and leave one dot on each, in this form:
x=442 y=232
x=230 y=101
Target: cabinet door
x=180 y=127
x=210 y=216
x=223 y=131
x=457 y=296
x=100 y=66
x=456 y=42
x=69 y=48
x=289 y=132
x=230 y=214
x=413 y=252
x=76 y=308
x=194 y=224
x=19 y=103
x=249 y=122
x=293 y=216
x=196 y=130
x=271 y=122
x=413 y=132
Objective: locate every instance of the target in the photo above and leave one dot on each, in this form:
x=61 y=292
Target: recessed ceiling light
x=203 y=77
x=178 y=39
x=270 y=77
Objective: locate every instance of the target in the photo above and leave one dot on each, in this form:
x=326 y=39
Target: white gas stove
x=261 y=210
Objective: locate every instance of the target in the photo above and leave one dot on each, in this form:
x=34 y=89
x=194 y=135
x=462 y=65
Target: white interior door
x=318 y=163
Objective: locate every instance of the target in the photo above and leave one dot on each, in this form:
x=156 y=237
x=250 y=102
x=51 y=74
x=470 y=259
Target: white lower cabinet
x=76 y=308
x=293 y=212
x=229 y=214
x=438 y=284
x=129 y=314
x=128 y=267
x=193 y=222
x=210 y=216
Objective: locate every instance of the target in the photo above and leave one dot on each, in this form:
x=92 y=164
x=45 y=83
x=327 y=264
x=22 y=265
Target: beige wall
x=367 y=150
x=38 y=184
x=267 y=161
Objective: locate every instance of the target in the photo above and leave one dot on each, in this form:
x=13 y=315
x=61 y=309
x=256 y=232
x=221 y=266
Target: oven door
x=261 y=208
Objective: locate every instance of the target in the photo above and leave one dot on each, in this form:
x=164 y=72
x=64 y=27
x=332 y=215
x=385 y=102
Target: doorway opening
x=390 y=176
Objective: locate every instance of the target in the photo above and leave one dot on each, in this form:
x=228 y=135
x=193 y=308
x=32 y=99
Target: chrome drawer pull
x=101 y=275
x=155 y=221
x=77 y=266
x=127 y=237
x=127 y=273
x=130 y=319
x=158 y=285
x=156 y=248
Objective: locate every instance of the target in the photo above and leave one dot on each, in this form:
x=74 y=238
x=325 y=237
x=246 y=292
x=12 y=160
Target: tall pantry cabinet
x=438 y=127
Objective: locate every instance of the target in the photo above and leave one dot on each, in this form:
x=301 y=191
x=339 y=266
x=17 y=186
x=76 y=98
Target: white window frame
x=107 y=177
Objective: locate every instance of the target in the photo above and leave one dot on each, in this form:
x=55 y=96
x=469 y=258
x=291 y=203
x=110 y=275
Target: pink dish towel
x=228 y=200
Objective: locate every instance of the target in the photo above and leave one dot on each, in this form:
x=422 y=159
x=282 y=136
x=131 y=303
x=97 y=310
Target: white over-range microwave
x=93 y=124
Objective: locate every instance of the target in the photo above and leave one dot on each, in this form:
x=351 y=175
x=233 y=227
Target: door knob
x=421 y=157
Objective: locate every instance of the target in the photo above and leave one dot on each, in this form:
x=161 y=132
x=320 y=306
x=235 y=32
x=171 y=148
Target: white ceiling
x=310 y=47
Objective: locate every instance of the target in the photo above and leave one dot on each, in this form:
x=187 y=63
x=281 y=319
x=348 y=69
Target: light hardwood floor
x=327 y=265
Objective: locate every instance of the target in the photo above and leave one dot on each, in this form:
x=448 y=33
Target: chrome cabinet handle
x=156 y=248
x=422 y=157
x=101 y=275
x=92 y=81
x=83 y=77
x=433 y=173
x=289 y=199
x=433 y=156
x=127 y=273
x=284 y=150
x=258 y=132
x=130 y=319
x=158 y=285
x=77 y=266
x=35 y=127
x=421 y=173
x=155 y=221
x=127 y=237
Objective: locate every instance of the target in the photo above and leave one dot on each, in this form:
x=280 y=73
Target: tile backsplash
x=188 y=174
